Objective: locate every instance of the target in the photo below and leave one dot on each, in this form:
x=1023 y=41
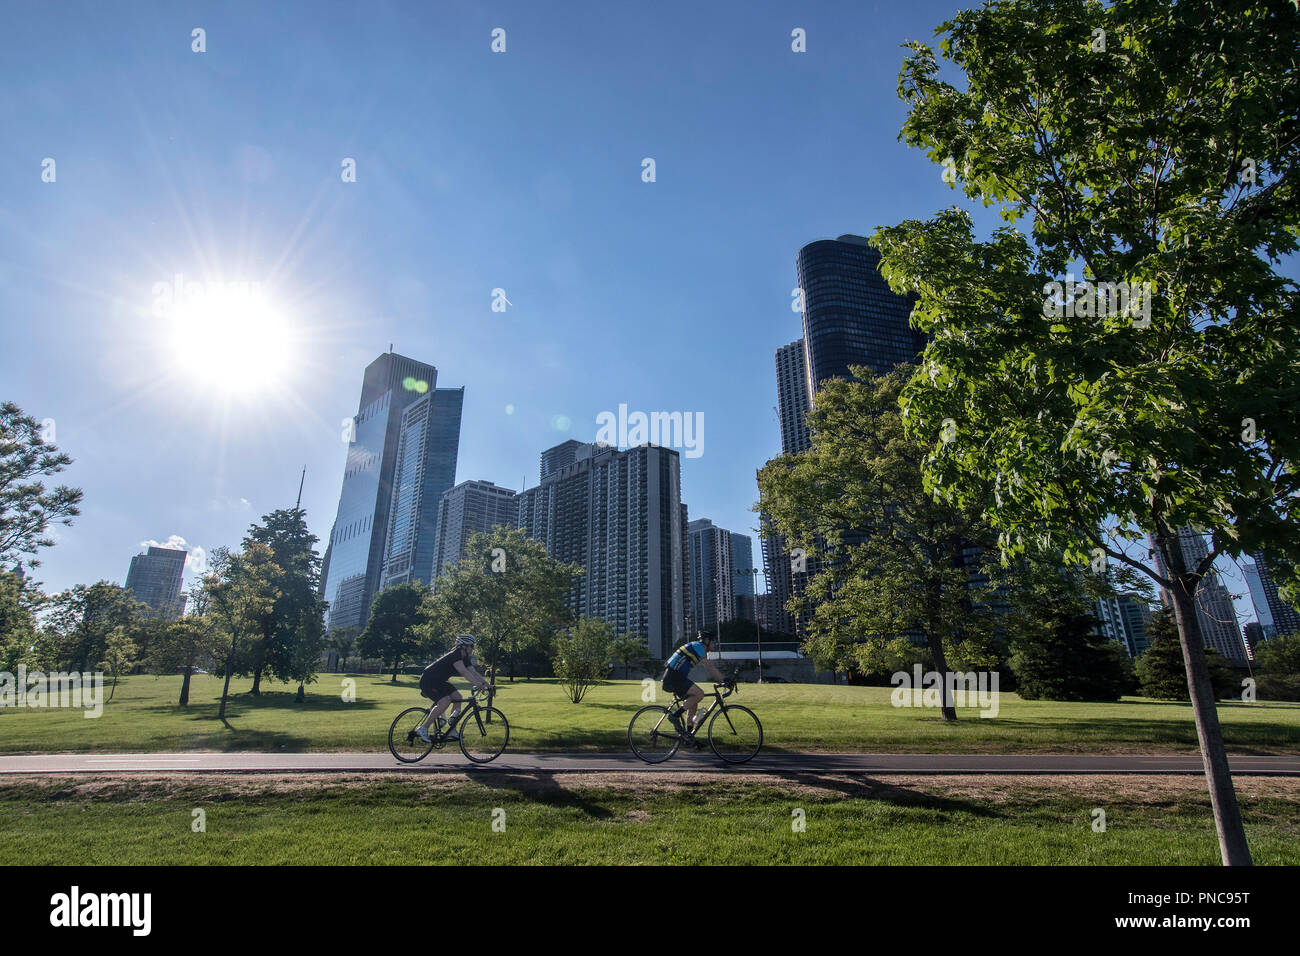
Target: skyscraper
x=1286 y=619
x=428 y=442
x=1214 y=608
x=559 y=457
x=618 y=515
x=155 y=578
x=401 y=458
x=469 y=507
x=711 y=575
x=850 y=315
x=742 y=562
x=792 y=402
x=1259 y=598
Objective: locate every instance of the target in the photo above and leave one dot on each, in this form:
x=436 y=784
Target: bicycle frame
x=718 y=698
x=470 y=707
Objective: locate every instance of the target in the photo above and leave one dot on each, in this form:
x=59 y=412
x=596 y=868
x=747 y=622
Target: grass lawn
x=625 y=818
x=144 y=716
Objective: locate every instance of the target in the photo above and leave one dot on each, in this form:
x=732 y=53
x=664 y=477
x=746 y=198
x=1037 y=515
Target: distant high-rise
x=618 y=515
x=850 y=315
x=712 y=576
x=1214 y=608
x=469 y=507
x=155 y=578
x=428 y=443
x=1286 y=619
x=559 y=457
x=792 y=398
x=1259 y=599
x=401 y=458
x=1124 y=619
x=742 y=562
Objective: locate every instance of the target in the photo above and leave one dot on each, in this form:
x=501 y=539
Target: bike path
x=774 y=763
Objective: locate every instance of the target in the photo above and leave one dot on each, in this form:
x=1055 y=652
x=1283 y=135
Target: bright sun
x=231 y=341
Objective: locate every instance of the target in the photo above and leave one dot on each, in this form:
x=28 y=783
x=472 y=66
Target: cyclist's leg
x=693 y=697
x=442 y=699
x=455 y=711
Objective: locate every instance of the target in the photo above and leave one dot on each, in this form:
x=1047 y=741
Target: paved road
x=874 y=764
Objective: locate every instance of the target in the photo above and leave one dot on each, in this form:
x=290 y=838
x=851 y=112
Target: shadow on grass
x=539 y=788
x=868 y=788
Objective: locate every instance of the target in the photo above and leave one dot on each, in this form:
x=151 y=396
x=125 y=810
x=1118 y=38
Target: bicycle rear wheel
x=651 y=735
x=403 y=741
x=735 y=733
x=484 y=733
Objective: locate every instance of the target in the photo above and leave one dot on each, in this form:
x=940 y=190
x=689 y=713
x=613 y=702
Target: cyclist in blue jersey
x=677 y=675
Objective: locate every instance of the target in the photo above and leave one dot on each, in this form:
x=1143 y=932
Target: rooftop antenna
x=300 y=484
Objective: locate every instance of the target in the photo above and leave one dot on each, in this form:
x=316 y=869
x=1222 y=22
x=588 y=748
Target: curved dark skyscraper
x=850 y=315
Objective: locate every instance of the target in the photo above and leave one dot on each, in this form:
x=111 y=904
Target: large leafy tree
x=293 y=648
x=242 y=589
x=27 y=507
x=1141 y=142
x=506 y=591
x=895 y=560
x=81 y=621
x=19 y=603
x=393 y=631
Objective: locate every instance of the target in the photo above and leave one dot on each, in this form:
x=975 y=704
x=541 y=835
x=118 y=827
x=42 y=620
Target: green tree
x=242 y=589
x=626 y=650
x=293 y=648
x=1160 y=669
x=1151 y=148
x=19 y=603
x=1071 y=661
x=119 y=655
x=506 y=591
x=184 y=645
x=582 y=656
x=80 y=621
x=343 y=641
x=1278 y=668
x=891 y=558
x=396 y=619
x=27 y=507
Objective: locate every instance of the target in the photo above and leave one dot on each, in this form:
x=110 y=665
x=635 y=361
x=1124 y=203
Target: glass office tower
x=850 y=315
x=401 y=458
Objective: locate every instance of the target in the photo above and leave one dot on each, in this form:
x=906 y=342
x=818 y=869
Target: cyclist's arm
x=713 y=671
x=470 y=674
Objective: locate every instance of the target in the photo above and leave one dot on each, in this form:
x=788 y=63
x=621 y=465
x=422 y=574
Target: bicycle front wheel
x=403 y=741
x=735 y=733
x=484 y=733
x=651 y=735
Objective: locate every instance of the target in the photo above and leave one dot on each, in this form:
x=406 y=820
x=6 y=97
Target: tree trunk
x=941 y=667
x=257 y=682
x=395 y=663
x=301 y=694
x=1223 y=797
x=185 y=687
x=225 y=691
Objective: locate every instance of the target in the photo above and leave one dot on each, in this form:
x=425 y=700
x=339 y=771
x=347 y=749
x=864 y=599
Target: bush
x=582 y=656
x=1071 y=663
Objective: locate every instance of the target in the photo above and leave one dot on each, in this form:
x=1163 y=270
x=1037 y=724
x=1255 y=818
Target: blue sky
x=475 y=170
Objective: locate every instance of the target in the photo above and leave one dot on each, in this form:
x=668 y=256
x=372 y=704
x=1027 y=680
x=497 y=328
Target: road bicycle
x=656 y=733
x=483 y=732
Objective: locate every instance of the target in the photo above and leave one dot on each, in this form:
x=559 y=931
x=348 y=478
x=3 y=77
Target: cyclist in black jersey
x=435 y=683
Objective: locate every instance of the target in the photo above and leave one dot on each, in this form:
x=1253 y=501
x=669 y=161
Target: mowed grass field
x=489 y=817
x=144 y=716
